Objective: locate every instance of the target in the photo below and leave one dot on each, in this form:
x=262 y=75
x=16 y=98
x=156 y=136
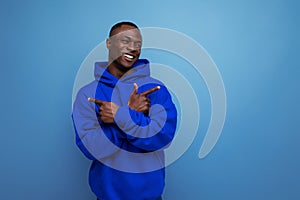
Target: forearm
x=151 y=132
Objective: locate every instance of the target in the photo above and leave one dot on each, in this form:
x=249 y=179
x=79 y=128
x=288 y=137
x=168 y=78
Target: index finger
x=150 y=91
x=97 y=101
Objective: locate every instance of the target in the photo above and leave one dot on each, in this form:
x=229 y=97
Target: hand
x=108 y=110
x=140 y=102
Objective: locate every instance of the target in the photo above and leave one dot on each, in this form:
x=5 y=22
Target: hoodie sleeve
x=155 y=130
x=90 y=137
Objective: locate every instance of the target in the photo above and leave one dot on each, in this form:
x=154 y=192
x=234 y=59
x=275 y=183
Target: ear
x=108 y=43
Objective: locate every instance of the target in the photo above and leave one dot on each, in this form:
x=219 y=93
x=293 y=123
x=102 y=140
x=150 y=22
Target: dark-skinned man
x=123 y=122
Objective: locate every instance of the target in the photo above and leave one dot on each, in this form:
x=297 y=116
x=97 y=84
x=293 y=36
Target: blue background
x=255 y=45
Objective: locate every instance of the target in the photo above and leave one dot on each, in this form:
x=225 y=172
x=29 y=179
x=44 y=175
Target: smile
x=128 y=56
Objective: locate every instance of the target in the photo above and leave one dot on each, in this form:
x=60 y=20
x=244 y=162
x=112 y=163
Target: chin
x=128 y=64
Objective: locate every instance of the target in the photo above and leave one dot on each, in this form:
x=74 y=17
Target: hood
x=139 y=70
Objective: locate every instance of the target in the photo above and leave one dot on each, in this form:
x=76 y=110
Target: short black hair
x=119 y=24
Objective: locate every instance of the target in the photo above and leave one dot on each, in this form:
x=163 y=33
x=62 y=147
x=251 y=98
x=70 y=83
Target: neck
x=117 y=70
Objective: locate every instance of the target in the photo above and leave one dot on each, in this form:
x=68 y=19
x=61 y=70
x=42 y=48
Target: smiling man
x=124 y=44
x=123 y=122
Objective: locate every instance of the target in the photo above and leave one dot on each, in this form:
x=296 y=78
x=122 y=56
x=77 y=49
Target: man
x=123 y=120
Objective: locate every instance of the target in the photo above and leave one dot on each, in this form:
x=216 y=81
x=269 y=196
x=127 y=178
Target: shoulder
x=86 y=91
x=149 y=82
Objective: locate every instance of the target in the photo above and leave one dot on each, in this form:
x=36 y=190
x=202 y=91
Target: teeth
x=128 y=56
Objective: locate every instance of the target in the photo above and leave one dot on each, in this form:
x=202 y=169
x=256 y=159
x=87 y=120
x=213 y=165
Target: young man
x=123 y=120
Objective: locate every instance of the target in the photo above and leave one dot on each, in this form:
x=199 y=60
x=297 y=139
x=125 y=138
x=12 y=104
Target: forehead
x=127 y=31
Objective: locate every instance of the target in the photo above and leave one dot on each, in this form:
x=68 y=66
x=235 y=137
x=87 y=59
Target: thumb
x=134 y=92
x=135 y=89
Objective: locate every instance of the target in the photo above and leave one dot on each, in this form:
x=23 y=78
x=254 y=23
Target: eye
x=138 y=45
x=125 y=41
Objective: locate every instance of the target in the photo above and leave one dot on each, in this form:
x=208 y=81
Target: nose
x=130 y=46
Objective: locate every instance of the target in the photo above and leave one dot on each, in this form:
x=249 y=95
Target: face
x=124 y=46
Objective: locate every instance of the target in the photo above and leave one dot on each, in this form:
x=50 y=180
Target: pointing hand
x=107 y=110
x=140 y=102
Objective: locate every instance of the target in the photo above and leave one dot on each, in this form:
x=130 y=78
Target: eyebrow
x=124 y=36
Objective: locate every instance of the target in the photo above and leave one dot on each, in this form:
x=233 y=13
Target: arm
x=150 y=132
x=90 y=137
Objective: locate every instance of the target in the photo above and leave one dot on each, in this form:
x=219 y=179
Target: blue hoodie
x=128 y=157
